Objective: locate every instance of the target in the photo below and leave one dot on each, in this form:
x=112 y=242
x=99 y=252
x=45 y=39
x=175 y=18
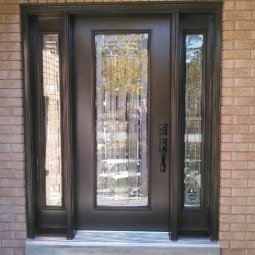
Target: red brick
x=225 y=174
x=12 y=18
x=236 y=54
x=224 y=226
x=232 y=235
x=228 y=45
x=234 y=146
x=225 y=156
x=233 y=252
x=237 y=35
x=233 y=218
x=236 y=72
x=234 y=201
x=228 y=25
x=243 y=155
x=234 y=165
x=225 y=192
x=246 y=192
x=229 y=5
x=227 y=101
x=226 y=119
x=245 y=63
x=7 y=251
x=244 y=101
x=224 y=244
x=250 y=252
x=242 y=138
x=244 y=119
x=20 y=235
x=235 y=110
x=242 y=227
x=250 y=236
x=243 y=174
x=12 y=200
x=9 y=173
x=11 y=192
x=13 y=243
x=251 y=165
x=6 y=235
x=228 y=129
x=234 y=183
x=245 y=44
x=17 y=183
x=228 y=82
x=251 y=200
x=237 y=15
x=243 y=244
x=249 y=82
x=12 y=209
x=245 y=25
x=235 y=92
x=226 y=138
x=245 y=5
x=8 y=9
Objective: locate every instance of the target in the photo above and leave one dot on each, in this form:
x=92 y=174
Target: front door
x=122 y=97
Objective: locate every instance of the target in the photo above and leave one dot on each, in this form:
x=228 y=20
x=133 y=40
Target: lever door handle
x=163 y=150
x=163 y=159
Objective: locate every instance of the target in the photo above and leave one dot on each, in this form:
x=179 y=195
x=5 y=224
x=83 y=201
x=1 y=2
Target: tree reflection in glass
x=121 y=119
x=193 y=121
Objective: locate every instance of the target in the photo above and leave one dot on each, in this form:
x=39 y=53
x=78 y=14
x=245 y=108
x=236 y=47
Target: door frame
x=135 y=217
x=41 y=17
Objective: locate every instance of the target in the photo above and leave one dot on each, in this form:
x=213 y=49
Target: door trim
x=30 y=18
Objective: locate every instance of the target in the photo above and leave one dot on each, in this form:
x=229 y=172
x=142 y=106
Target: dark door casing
x=167 y=24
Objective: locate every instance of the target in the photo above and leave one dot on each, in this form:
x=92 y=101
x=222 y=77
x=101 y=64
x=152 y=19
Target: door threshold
x=120 y=243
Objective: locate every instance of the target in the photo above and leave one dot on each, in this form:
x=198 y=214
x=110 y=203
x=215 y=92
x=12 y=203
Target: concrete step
x=121 y=243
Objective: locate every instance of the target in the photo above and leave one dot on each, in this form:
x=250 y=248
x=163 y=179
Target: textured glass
x=121 y=119
x=52 y=121
x=193 y=121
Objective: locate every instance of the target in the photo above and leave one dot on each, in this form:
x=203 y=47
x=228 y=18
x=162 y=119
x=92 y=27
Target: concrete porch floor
x=121 y=243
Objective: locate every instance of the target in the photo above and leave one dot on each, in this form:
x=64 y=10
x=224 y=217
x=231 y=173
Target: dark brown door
x=122 y=95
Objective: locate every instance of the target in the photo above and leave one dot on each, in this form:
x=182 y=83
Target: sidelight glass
x=122 y=119
x=193 y=120
x=52 y=120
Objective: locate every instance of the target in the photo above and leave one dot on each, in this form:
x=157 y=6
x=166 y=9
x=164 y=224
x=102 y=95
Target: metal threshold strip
x=121 y=243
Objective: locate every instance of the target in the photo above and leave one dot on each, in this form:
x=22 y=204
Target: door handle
x=163 y=162
x=163 y=150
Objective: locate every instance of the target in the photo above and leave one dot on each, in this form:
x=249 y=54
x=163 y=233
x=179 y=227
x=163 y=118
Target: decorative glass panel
x=193 y=121
x=121 y=119
x=52 y=120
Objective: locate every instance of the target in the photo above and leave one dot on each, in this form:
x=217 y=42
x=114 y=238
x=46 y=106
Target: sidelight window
x=51 y=121
x=193 y=133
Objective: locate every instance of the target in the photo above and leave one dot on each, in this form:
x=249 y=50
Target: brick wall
x=12 y=200
x=237 y=210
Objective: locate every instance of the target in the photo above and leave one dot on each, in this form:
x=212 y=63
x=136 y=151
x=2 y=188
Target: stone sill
x=121 y=243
